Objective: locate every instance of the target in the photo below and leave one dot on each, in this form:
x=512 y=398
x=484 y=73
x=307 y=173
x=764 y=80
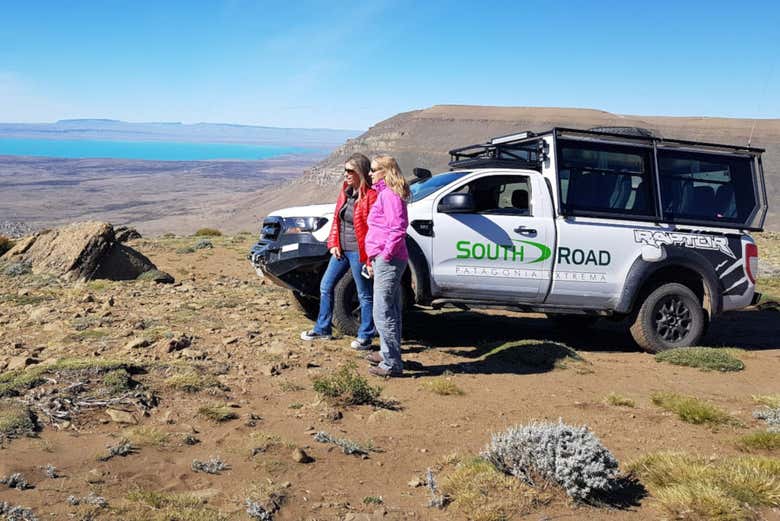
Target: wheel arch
x=685 y=267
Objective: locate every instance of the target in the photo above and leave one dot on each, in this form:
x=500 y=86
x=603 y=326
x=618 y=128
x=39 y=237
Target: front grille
x=272 y=226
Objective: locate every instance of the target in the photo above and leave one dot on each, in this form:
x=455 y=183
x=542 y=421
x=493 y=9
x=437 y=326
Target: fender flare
x=641 y=271
x=419 y=271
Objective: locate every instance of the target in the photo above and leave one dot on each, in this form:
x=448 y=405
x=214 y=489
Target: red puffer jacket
x=362 y=206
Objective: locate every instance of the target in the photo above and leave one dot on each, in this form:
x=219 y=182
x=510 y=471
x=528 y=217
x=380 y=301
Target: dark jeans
x=387 y=310
x=333 y=273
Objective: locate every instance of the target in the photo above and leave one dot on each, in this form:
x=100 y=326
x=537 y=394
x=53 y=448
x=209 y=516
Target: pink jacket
x=387 y=222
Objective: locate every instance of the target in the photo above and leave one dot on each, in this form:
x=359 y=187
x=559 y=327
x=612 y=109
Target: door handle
x=525 y=231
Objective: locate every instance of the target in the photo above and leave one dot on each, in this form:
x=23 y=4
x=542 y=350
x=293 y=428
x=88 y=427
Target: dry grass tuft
x=208 y=232
x=482 y=493
x=15 y=420
x=168 y=506
x=14 y=382
x=193 y=382
x=759 y=441
x=690 y=487
x=619 y=400
x=692 y=410
x=443 y=386
x=147 y=436
x=218 y=413
x=770 y=400
x=704 y=358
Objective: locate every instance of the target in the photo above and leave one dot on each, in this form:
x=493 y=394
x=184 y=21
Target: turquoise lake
x=148 y=150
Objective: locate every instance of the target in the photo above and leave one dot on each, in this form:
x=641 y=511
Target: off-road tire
x=346 y=306
x=309 y=306
x=670 y=316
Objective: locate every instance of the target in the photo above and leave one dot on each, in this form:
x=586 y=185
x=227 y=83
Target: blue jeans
x=333 y=273
x=387 y=311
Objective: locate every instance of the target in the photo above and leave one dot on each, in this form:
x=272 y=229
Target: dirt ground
x=246 y=332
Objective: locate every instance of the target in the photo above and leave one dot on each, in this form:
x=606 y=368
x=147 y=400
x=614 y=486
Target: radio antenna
x=761 y=99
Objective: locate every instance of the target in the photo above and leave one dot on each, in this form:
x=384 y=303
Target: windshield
x=426 y=187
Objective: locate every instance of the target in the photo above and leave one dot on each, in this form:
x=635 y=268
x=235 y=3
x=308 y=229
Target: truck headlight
x=303 y=224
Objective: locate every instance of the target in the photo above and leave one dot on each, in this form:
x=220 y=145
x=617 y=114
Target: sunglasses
x=376 y=170
x=350 y=171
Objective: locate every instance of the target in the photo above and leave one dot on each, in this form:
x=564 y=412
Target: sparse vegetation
x=691 y=487
x=373 y=500
x=618 y=400
x=770 y=400
x=568 y=456
x=533 y=354
x=692 y=410
x=208 y=232
x=14 y=382
x=482 y=493
x=146 y=436
x=705 y=358
x=443 y=386
x=117 y=381
x=15 y=420
x=204 y=244
x=346 y=387
x=218 y=413
x=759 y=441
x=211 y=466
x=771 y=417
x=347 y=446
x=169 y=506
x=123 y=448
x=193 y=382
x=17 y=269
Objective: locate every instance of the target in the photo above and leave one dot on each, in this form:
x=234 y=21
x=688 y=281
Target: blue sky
x=344 y=64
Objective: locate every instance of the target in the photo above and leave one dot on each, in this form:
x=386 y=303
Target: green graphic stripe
x=545 y=251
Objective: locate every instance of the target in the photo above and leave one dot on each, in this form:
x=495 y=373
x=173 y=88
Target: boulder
x=125 y=233
x=80 y=251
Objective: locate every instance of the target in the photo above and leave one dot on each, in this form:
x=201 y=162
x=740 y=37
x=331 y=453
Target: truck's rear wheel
x=309 y=306
x=671 y=316
x=346 y=306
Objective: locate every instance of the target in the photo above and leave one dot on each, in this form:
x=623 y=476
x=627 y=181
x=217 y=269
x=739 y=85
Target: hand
x=336 y=252
x=370 y=269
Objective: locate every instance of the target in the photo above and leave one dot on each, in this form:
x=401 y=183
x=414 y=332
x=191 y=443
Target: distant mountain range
x=110 y=129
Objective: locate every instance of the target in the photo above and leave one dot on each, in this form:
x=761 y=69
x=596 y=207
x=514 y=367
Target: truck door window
x=501 y=194
x=600 y=178
x=705 y=187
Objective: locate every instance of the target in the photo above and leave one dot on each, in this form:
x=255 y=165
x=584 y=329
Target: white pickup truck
x=573 y=223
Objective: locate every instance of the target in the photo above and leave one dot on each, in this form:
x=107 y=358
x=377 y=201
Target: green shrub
x=346 y=387
x=691 y=409
x=15 y=420
x=208 y=232
x=705 y=358
x=192 y=382
x=117 y=381
x=619 y=400
x=443 y=386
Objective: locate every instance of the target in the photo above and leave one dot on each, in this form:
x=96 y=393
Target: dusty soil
x=245 y=330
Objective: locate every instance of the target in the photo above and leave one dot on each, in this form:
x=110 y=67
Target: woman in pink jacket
x=387 y=255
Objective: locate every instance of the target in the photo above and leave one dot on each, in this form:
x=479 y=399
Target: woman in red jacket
x=347 y=245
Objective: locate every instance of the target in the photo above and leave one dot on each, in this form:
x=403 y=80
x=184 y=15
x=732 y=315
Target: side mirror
x=422 y=173
x=457 y=203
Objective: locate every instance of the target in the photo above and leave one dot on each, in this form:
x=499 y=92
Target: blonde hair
x=393 y=177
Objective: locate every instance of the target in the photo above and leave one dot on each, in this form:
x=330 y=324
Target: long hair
x=393 y=177
x=362 y=166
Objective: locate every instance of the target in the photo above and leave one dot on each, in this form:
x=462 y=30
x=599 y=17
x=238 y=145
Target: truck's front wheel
x=671 y=316
x=346 y=306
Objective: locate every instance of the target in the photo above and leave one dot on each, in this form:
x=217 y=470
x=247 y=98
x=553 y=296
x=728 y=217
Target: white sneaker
x=312 y=335
x=361 y=344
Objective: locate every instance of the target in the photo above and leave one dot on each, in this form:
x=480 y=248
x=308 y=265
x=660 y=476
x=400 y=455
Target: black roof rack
x=526 y=150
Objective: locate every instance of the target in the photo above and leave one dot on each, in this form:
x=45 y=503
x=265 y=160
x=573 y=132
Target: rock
x=278 y=348
x=125 y=233
x=177 y=344
x=299 y=456
x=20 y=362
x=416 y=482
x=332 y=414
x=80 y=251
x=118 y=416
x=192 y=354
x=88 y=299
x=230 y=340
x=273 y=369
x=95 y=476
x=155 y=275
x=137 y=343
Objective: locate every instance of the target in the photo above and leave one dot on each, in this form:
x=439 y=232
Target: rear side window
x=605 y=179
x=705 y=187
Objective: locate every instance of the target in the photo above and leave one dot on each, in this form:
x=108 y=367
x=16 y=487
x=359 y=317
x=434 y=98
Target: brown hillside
x=424 y=137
